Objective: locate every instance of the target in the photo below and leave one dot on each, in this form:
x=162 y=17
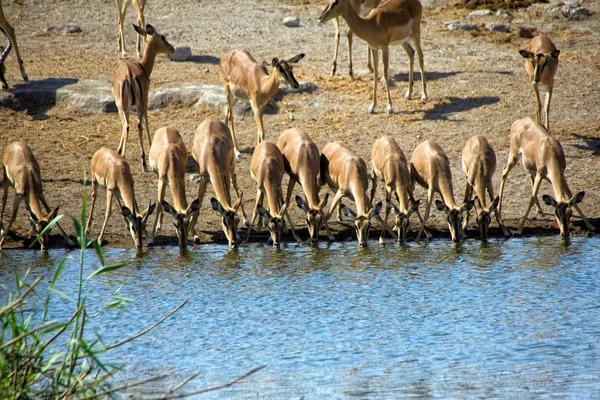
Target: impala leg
x=109 y=196
x=258 y=119
x=373 y=185
x=122 y=10
x=259 y=198
x=334 y=203
x=5 y=186
x=505 y=232
x=412 y=198
x=201 y=192
x=245 y=221
x=13 y=38
x=89 y=221
x=536 y=187
x=143 y=119
x=159 y=211
x=369 y=60
x=512 y=160
x=388 y=200
x=547 y=108
x=537 y=201
x=349 y=38
x=375 y=58
x=417 y=39
x=124 y=114
x=468 y=195
x=289 y=220
x=410 y=52
x=336 y=27
x=141 y=40
x=230 y=101
x=12 y=218
x=588 y=225
x=60 y=229
x=426 y=217
x=386 y=62
x=536 y=93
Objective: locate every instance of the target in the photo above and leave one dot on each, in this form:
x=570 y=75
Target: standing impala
x=122 y=6
x=213 y=151
x=541 y=62
x=430 y=168
x=388 y=163
x=522 y=132
x=267 y=168
x=131 y=84
x=362 y=7
x=346 y=174
x=394 y=21
x=22 y=173
x=8 y=30
x=168 y=158
x=112 y=172
x=544 y=158
x=479 y=165
x=244 y=78
x=301 y=162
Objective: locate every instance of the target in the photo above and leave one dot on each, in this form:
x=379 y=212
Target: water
x=504 y=319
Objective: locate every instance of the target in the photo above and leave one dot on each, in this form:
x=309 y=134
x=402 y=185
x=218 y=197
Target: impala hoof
x=381 y=240
x=196 y=239
x=238 y=156
x=424 y=98
x=389 y=110
x=517 y=233
x=371 y=110
x=407 y=96
x=25 y=77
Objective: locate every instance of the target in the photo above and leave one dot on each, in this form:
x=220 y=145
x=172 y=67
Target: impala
x=394 y=21
x=522 y=132
x=122 y=6
x=131 y=84
x=362 y=8
x=541 y=62
x=388 y=164
x=244 y=78
x=301 y=163
x=544 y=158
x=430 y=168
x=213 y=151
x=266 y=168
x=346 y=174
x=112 y=172
x=9 y=32
x=22 y=173
x=479 y=165
x=168 y=159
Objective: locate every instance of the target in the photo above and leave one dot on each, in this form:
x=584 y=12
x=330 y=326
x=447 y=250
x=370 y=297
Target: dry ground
x=476 y=82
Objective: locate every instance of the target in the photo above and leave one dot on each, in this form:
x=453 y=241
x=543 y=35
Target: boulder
x=460 y=26
x=291 y=21
x=182 y=53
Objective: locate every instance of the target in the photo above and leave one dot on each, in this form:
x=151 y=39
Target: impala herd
x=215 y=150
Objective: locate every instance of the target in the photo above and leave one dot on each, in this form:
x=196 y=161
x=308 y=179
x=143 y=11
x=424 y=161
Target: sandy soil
x=476 y=82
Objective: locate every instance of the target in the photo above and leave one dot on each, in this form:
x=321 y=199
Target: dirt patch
x=476 y=82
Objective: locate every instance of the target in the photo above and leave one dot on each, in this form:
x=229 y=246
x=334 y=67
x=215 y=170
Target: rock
x=497 y=27
x=65 y=29
x=504 y=14
x=481 y=13
x=291 y=21
x=574 y=11
x=182 y=53
x=525 y=32
x=460 y=26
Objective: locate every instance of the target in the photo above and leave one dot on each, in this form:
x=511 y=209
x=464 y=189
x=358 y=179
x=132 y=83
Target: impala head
x=155 y=40
x=334 y=9
x=182 y=219
x=401 y=222
x=563 y=211
x=362 y=223
x=230 y=220
x=274 y=222
x=285 y=69
x=314 y=217
x=137 y=223
x=539 y=62
x=39 y=224
x=484 y=216
x=455 y=217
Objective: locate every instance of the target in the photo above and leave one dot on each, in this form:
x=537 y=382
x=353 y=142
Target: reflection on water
x=504 y=318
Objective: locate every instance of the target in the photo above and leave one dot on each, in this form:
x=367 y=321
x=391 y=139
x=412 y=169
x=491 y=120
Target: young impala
x=479 y=165
x=131 y=84
x=168 y=159
x=9 y=32
x=346 y=174
x=393 y=22
x=266 y=168
x=388 y=164
x=22 y=173
x=541 y=62
x=244 y=78
x=544 y=158
x=430 y=168
x=301 y=163
x=213 y=151
x=112 y=172
x=122 y=6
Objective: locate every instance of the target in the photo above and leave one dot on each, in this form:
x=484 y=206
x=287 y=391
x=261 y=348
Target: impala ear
x=414 y=207
x=148 y=211
x=216 y=205
x=441 y=206
x=495 y=204
x=55 y=211
x=526 y=54
x=168 y=208
x=323 y=202
x=376 y=210
x=150 y=29
x=275 y=62
x=139 y=30
x=195 y=206
x=554 y=54
x=578 y=198
x=348 y=212
x=468 y=206
x=264 y=213
x=301 y=204
x=126 y=212
x=296 y=58
x=549 y=200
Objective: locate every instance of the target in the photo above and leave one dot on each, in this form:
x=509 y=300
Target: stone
x=481 y=13
x=291 y=21
x=504 y=14
x=65 y=29
x=525 y=32
x=182 y=53
x=497 y=27
x=460 y=26
x=574 y=11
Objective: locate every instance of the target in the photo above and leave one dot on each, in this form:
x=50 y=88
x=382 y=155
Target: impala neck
x=148 y=59
x=360 y=198
x=128 y=196
x=361 y=27
x=34 y=203
x=311 y=189
x=270 y=84
x=402 y=196
x=447 y=193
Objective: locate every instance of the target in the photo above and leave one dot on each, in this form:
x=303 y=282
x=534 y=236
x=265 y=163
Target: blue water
x=516 y=318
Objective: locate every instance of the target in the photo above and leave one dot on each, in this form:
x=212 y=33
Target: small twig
x=211 y=388
x=21 y=336
x=21 y=297
x=126 y=386
x=179 y=386
x=59 y=332
x=147 y=329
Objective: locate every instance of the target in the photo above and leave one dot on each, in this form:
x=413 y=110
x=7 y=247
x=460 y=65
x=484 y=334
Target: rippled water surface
x=508 y=319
